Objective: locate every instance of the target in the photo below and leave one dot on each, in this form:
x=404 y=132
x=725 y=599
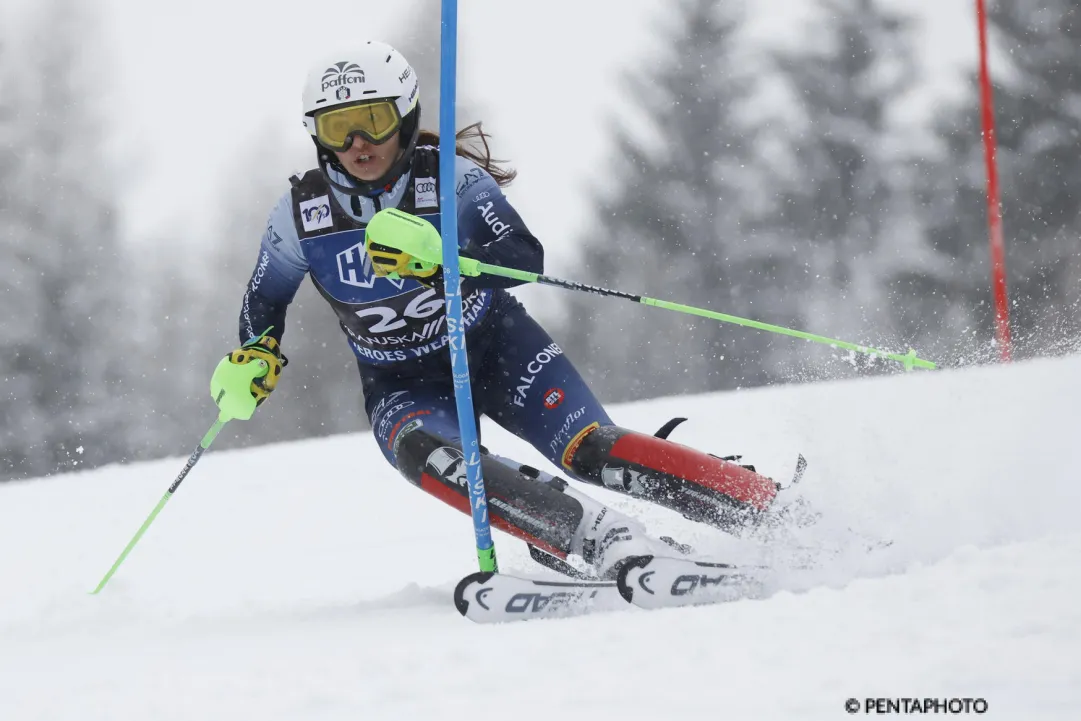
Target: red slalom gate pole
x=994 y=206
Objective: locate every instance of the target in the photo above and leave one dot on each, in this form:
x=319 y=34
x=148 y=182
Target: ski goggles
x=375 y=121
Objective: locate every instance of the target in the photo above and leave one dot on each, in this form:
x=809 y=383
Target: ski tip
x=459 y=591
x=626 y=590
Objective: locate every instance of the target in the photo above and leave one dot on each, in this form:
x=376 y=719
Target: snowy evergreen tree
x=63 y=358
x=675 y=226
x=845 y=207
x=418 y=39
x=1039 y=127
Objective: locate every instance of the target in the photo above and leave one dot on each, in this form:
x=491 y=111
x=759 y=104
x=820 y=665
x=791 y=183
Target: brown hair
x=472 y=142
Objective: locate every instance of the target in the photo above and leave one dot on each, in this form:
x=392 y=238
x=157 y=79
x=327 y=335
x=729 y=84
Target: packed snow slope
x=308 y=581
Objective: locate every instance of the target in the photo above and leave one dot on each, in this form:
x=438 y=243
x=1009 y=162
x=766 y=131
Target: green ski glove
x=246 y=377
x=403 y=245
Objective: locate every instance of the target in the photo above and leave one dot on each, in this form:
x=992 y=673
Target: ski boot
x=604 y=539
x=720 y=491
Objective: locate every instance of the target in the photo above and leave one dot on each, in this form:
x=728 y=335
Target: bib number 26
x=423 y=306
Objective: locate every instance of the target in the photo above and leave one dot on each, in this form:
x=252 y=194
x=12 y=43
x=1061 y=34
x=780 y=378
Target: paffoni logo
x=342 y=74
x=315 y=213
x=355 y=268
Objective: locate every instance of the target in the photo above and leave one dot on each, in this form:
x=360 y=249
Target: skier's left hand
x=405 y=246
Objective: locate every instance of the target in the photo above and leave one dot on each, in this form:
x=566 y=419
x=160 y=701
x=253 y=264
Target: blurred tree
x=845 y=207
x=63 y=360
x=1038 y=111
x=197 y=306
x=677 y=224
x=418 y=39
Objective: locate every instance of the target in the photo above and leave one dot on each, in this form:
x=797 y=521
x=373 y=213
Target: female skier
x=363 y=114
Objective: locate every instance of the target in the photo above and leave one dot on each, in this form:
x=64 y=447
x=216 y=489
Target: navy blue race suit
x=521 y=377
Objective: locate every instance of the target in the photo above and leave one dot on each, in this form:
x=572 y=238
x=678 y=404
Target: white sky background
x=181 y=68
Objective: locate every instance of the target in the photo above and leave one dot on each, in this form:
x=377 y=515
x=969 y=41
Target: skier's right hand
x=265 y=349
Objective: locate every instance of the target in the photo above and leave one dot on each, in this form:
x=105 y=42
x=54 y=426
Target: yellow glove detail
x=395 y=263
x=265 y=349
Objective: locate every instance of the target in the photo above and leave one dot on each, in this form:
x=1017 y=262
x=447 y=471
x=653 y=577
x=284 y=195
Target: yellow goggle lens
x=374 y=121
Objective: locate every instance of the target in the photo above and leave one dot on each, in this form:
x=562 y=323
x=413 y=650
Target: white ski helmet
x=373 y=72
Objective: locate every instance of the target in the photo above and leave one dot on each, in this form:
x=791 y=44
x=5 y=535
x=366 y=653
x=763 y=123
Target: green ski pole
x=474 y=268
x=203 y=445
x=230 y=390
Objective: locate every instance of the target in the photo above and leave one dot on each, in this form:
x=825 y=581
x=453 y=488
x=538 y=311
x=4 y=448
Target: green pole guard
x=407 y=233
x=415 y=236
x=230 y=387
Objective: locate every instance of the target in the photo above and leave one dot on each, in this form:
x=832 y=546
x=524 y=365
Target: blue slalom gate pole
x=459 y=362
